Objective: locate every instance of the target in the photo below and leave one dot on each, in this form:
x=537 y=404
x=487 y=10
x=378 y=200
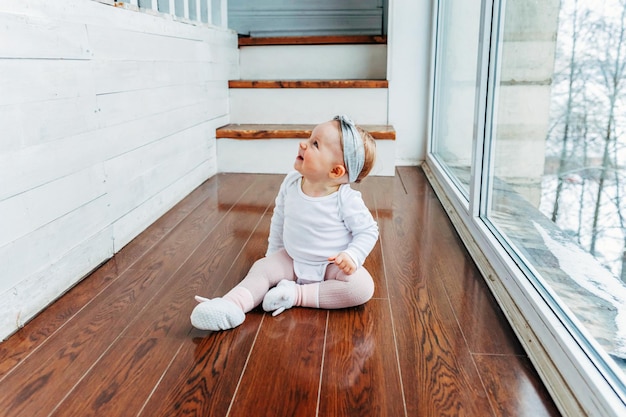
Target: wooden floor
x=432 y=341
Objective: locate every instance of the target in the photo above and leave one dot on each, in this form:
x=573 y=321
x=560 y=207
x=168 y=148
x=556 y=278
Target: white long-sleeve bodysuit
x=312 y=229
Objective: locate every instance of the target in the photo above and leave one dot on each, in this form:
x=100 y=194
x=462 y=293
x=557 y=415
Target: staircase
x=287 y=85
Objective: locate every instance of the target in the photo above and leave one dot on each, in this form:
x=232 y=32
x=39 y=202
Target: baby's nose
x=303 y=144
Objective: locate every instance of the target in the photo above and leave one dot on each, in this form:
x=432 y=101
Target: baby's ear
x=338 y=171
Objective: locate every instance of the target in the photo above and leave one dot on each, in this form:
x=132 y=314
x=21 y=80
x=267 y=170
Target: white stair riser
x=276 y=156
x=307 y=105
x=313 y=62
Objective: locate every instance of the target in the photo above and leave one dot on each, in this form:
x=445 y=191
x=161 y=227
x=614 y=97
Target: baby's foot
x=216 y=314
x=280 y=298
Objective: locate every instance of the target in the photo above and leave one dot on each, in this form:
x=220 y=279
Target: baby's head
x=336 y=150
x=358 y=148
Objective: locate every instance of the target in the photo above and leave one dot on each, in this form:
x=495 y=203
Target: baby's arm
x=364 y=228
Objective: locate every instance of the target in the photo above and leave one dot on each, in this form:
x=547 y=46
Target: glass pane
x=216 y=12
x=164 y=6
x=179 y=8
x=204 y=10
x=193 y=14
x=455 y=83
x=558 y=175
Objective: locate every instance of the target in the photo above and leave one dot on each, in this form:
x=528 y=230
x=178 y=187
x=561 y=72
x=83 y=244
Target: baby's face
x=321 y=152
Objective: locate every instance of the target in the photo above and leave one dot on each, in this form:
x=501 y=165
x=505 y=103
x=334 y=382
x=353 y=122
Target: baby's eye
x=316 y=144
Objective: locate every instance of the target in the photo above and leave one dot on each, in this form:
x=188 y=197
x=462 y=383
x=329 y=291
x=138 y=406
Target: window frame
x=564 y=359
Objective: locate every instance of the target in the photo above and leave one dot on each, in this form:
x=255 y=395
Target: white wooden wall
x=107 y=119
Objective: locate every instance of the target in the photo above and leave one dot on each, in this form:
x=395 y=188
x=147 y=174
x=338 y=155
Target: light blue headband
x=353 y=147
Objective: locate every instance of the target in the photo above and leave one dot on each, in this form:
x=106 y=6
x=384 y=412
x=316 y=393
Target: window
x=456 y=66
x=529 y=122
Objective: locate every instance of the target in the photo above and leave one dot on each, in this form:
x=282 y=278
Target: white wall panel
x=28 y=80
x=49 y=244
x=35 y=208
x=137 y=220
x=25 y=37
x=56 y=119
x=108 y=119
x=126 y=106
x=112 y=44
x=24 y=300
x=117 y=76
x=148 y=161
x=34 y=165
x=139 y=215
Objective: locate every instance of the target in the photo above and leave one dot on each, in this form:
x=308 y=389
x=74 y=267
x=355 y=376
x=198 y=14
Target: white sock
x=281 y=297
x=216 y=314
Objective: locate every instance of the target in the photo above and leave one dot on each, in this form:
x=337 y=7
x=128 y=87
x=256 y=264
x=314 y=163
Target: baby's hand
x=344 y=262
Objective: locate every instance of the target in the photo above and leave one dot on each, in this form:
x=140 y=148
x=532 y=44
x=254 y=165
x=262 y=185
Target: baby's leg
x=227 y=312
x=338 y=290
x=264 y=274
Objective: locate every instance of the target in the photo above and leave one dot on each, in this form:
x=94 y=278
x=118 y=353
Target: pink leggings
x=338 y=290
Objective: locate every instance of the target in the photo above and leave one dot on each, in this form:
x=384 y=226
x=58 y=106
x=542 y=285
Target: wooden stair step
x=312 y=40
x=308 y=84
x=291 y=131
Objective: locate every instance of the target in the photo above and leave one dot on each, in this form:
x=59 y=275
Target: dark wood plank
x=483 y=324
x=514 y=387
x=254 y=249
x=312 y=40
x=289 y=131
x=207 y=266
x=203 y=376
x=121 y=380
x=369 y=188
x=283 y=373
x=28 y=339
x=172 y=251
x=308 y=84
x=168 y=315
x=43 y=380
x=438 y=372
x=378 y=195
x=361 y=376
